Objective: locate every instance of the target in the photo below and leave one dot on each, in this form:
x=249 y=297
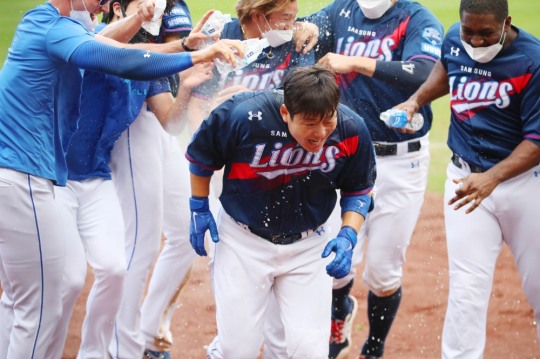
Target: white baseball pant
x=95 y=233
x=32 y=255
x=136 y=163
x=400 y=187
x=474 y=241
x=247 y=270
x=173 y=265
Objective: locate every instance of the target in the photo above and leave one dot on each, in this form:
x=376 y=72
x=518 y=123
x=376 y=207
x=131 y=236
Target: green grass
x=524 y=14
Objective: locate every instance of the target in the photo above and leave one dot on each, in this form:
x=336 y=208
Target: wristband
x=184 y=46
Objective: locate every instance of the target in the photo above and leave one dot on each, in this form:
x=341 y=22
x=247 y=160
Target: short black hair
x=499 y=8
x=311 y=91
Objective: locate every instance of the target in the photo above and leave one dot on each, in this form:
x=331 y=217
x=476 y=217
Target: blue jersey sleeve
x=358 y=176
x=61 y=46
x=424 y=36
x=178 y=19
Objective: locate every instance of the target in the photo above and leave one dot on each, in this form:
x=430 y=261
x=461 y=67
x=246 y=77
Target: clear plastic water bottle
x=252 y=49
x=398 y=119
x=215 y=23
x=153 y=25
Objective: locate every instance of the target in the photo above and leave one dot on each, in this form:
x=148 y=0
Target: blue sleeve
x=530 y=102
x=128 y=63
x=424 y=37
x=178 y=19
x=323 y=20
x=61 y=46
x=358 y=176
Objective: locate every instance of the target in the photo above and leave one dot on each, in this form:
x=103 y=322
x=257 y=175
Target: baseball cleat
x=341 y=332
x=152 y=354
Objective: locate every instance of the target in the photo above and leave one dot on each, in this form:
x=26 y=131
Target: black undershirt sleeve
x=404 y=74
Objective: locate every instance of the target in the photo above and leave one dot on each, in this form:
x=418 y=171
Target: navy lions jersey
x=495 y=105
x=266 y=73
x=406 y=32
x=265 y=165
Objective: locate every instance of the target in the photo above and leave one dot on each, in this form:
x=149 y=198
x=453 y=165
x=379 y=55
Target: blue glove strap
x=349 y=233
x=199 y=204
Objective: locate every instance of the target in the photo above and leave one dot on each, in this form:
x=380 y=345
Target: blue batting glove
x=343 y=245
x=201 y=220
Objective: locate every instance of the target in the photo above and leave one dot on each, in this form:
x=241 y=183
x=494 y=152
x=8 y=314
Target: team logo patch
x=432 y=36
x=255 y=115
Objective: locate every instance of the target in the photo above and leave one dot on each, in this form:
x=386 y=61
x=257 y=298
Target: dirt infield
x=418 y=326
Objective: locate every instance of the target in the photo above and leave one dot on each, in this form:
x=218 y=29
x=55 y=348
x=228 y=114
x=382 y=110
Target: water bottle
x=252 y=49
x=153 y=25
x=215 y=23
x=398 y=119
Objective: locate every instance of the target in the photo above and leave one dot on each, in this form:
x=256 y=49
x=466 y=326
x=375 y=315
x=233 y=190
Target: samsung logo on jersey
x=278 y=134
x=261 y=66
x=476 y=71
x=362 y=32
x=478 y=93
x=289 y=160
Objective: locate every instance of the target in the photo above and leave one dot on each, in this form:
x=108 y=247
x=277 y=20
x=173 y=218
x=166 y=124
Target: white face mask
x=276 y=37
x=83 y=17
x=374 y=9
x=486 y=53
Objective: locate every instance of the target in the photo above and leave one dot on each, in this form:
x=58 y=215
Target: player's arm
x=434 y=87
x=477 y=186
x=353 y=216
x=125 y=60
x=352 y=219
x=171 y=112
x=409 y=74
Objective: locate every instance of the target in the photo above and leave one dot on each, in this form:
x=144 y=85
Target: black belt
x=391 y=149
x=456 y=160
x=277 y=238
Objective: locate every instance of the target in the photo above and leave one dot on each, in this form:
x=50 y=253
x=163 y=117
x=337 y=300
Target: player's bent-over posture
x=284 y=155
x=492 y=71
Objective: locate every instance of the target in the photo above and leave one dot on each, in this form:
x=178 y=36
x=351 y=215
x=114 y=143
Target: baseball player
x=491 y=70
x=51 y=43
x=160 y=302
x=145 y=162
x=176 y=255
x=284 y=155
x=382 y=50
x=274 y=20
